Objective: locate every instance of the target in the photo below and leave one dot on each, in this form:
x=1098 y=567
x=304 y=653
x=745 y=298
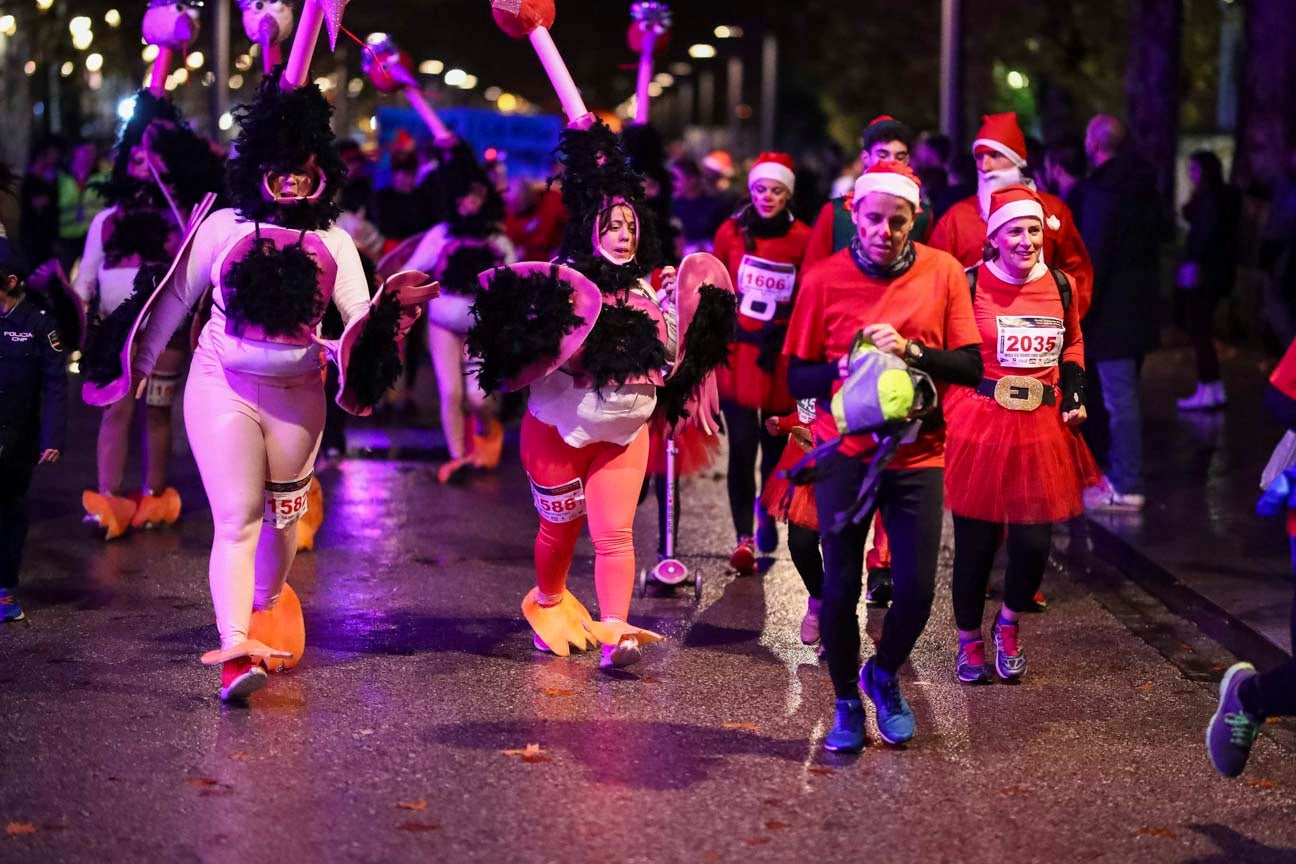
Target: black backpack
x=1063 y=285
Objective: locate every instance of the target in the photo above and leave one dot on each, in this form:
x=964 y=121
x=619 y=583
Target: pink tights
x=245 y=431
x=114 y=437
x=612 y=475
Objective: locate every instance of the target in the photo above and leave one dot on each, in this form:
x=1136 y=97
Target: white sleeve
x=351 y=291
x=188 y=283
x=86 y=281
x=427 y=254
x=505 y=249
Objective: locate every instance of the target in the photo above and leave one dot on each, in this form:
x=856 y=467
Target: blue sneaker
x=895 y=719
x=970 y=663
x=9 y=608
x=1010 y=659
x=1231 y=730
x=767 y=538
x=847 y=734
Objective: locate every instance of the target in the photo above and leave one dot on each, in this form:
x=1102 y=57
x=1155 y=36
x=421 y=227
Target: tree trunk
x=1152 y=85
x=1267 y=111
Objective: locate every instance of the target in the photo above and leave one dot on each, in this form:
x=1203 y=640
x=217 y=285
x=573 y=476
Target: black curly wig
x=284 y=130
x=459 y=272
x=140 y=230
x=459 y=174
x=596 y=170
x=648 y=157
x=192 y=169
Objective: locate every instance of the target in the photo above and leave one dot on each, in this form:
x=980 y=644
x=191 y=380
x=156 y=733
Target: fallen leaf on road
x=1157 y=831
x=13 y=829
x=202 y=782
x=419 y=805
x=531 y=753
x=1259 y=783
x=743 y=727
x=756 y=841
x=1273 y=719
x=773 y=802
x=365 y=732
x=775 y=825
x=1144 y=687
x=557 y=691
x=242 y=757
x=418 y=827
x=648 y=679
x=820 y=770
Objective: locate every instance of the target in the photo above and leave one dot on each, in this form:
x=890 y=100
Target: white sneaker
x=1207 y=397
x=1106 y=498
x=810 y=623
x=624 y=653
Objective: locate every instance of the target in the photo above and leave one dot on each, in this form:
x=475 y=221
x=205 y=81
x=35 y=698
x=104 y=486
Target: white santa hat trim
x=889 y=182
x=1013 y=210
x=771 y=171
x=999 y=147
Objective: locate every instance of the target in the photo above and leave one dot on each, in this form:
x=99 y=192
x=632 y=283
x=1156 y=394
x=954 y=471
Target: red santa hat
x=893 y=178
x=773 y=166
x=1000 y=133
x=1015 y=202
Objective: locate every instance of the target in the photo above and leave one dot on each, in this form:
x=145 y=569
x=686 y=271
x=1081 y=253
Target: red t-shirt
x=1030 y=316
x=930 y=302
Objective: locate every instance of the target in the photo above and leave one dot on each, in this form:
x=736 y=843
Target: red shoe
x=240 y=678
x=743 y=558
x=1041 y=602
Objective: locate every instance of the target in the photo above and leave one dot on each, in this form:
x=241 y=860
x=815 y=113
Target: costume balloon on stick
x=531 y=20
x=169 y=26
x=648 y=35
x=391 y=71
x=268 y=23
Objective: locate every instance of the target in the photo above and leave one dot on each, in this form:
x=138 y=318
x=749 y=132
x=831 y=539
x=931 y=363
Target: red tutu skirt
x=698 y=451
x=798 y=507
x=1011 y=466
x=744 y=383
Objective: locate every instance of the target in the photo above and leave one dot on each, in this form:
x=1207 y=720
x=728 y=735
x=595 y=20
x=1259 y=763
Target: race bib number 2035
x=1029 y=341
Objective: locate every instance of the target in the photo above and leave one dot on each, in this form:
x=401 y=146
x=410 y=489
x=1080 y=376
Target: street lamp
x=702 y=51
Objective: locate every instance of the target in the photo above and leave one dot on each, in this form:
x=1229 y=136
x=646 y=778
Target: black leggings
x=747 y=434
x=1199 y=321
x=911 y=503
x=15 y=479
x=803 y=546
x=975 y=544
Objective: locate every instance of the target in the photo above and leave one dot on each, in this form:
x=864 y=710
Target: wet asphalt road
x=404 y=733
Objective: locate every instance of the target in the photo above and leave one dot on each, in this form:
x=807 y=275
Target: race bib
x=161 y=390
x=283 y=508
x=763 y=285
x=564 y=503
x=1029 y=341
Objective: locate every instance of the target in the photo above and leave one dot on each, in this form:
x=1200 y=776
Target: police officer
x=33 y=413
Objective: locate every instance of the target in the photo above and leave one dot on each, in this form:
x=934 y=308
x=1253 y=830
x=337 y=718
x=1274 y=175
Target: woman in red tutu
x=1013 y=463
x=762 y=247
x=795 y=505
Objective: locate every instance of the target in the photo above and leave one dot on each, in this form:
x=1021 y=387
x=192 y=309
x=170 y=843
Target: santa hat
x=773 y=166
x=1015 y=202
x=893 y=178
x=1000 y=133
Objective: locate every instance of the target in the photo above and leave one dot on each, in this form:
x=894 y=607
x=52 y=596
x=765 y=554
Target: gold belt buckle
x=1019 y=393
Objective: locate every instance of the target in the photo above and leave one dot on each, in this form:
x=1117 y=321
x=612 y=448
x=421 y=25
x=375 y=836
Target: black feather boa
x=623 y=344
x=706 y=348
x=284 y=130
x=274 y=289
x=612 y=279
x=459 y=275
x=141 y=231
x=105 y=338
x=518 y=321
x=375 y=361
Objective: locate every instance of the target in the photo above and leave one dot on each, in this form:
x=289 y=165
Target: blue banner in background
x=526 y=141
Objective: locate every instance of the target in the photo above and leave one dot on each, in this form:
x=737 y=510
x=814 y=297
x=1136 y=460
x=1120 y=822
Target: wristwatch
x=913 y=352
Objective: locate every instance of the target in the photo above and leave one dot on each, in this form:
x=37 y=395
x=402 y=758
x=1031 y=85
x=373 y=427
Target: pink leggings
x=246 y=431
x=114 y=436
x=612 y=475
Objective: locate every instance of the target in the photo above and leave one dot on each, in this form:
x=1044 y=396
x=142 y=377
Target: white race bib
x=763 y=285
x=1029 y=341
x=285 y=508
x=562 y=503
x=161 y=390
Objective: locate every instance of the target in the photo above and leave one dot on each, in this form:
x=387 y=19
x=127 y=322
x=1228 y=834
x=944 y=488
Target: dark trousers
x=975 y=545
x=15 y=480
x=335 y=419
x=1199 y=321
x=911 y=502
x=747 y=435
x=1273 y=693
x=803 y=546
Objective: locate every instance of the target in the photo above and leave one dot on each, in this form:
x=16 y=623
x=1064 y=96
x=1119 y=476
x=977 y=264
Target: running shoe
x=1231 y=731
x=810 y=623
x=877 y=591
x=847 y=735
x=895 y=718
x=743 y=558
x=9 y=608
x=1106 y=498
x=1010 y=660
x=1039 y=602
x=767 y=538
x=970 y=663
x=624 y=653
x=240 y=678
